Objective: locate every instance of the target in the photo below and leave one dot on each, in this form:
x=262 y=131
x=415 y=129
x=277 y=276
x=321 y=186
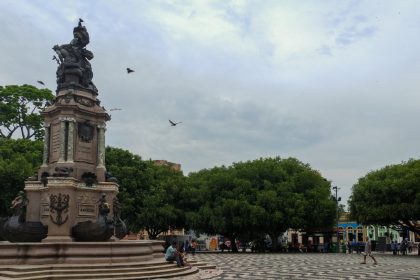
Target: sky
x=334 y=84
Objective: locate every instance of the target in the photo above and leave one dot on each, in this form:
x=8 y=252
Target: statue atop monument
x=74 y=69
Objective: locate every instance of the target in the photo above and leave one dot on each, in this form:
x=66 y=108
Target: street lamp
x=337 y=199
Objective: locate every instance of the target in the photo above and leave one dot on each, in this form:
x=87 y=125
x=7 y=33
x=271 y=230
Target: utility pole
x=337 y=199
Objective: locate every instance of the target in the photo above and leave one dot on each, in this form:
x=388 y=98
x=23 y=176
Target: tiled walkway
x=309 y=266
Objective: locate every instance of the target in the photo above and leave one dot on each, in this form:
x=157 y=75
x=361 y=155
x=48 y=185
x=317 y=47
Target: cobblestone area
x=309 y=266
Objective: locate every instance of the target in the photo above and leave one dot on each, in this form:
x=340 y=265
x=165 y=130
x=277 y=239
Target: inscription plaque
x=45 y=209
x=55 y=142
x=85 y=152
x=87 y=210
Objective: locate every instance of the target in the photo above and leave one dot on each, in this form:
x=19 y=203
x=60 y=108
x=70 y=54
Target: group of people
x=403 y=247
x=178 y=253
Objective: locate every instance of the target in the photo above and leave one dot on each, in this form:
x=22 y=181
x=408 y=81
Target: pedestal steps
x=201 y=265
x=103 y=271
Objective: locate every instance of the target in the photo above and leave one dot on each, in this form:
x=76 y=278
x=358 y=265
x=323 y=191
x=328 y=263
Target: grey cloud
x=352 y=34
x=235 y=105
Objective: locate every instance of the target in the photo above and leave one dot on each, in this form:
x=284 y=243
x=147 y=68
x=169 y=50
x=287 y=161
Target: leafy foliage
x=152 y=196
x=389 y=196
x=19 y=159
x=162 y=207
x=131 y=172
x=19 y=110
x=264 y=196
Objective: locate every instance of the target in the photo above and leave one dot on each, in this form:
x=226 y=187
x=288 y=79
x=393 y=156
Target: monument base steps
x=112 y=271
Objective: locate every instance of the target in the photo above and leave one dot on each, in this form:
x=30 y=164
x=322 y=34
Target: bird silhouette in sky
x=40 y=82
x=80 y=21
x=174 y=123
x=129 y=71
x=115 y=109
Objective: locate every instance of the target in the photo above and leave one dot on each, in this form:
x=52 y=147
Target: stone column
x=46 y=151
x=100 y=166
x=70 y=140
x=101 y=146
x=61 y=158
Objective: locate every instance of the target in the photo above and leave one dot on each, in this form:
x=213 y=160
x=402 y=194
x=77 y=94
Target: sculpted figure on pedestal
x=74 y=67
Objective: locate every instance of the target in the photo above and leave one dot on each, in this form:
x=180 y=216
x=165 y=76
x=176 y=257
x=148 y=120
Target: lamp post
x=337 y=199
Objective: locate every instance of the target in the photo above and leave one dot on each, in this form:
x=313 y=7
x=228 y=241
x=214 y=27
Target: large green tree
x=164 y=201
x=264 y=196
x=19 y=111
x=134 y=180
x=153 y=197
x=389 y=196
x=19 y=159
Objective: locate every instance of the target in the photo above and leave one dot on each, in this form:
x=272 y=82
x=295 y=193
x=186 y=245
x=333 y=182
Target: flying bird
x=115 y=109
x=129 y=71
x=174 y=123
x=40 y=82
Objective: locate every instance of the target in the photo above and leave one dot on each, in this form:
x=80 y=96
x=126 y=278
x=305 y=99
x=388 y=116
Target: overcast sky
x=335 y=84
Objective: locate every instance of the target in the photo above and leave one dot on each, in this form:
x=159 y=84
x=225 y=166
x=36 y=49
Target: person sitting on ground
x=368 y=252
x=193 y=246
x=183 y=257
x=172 y=254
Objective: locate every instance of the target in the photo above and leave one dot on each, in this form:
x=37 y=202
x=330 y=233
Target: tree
x=133 y=179
x=162 y=205
x=152 y=197
x=290 y=194
x=19 y=159
x=222 y=206
x=389 y=196
x=19 y=110
x=264 y=196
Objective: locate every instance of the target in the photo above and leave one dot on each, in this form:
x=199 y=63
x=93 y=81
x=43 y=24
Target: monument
x=71 y=196
x=69 y=213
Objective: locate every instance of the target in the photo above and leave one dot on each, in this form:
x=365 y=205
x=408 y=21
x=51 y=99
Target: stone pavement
x=308 y=266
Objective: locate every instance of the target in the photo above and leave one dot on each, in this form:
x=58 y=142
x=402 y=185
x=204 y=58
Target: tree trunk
x=153 y=233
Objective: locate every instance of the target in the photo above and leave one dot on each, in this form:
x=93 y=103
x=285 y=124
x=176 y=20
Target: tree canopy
x=19 y=110
x=389 y=196
x=19 y=159
x=151 y=196
x=264 y=196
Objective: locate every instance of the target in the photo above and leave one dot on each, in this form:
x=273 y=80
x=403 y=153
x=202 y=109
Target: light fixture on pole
x=337 y=199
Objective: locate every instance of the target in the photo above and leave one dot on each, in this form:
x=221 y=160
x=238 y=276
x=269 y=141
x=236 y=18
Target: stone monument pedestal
x=64 y=202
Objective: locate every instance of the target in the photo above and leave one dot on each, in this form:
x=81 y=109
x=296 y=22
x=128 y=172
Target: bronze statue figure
x=74 y=69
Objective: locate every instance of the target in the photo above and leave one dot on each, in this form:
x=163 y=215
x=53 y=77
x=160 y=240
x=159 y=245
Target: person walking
x=368 y=252
x=404 y=247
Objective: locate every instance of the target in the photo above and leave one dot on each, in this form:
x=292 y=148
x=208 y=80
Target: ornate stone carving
x=84 y=101
x=62 y=171
x=120 y=228
x=100 y=230
x=59 y=204
x=16 y=228
x=85 y=131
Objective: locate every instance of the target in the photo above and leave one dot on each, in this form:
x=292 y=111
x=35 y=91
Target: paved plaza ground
x=310 y=266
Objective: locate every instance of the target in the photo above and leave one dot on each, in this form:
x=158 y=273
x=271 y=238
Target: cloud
x=332 y=84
